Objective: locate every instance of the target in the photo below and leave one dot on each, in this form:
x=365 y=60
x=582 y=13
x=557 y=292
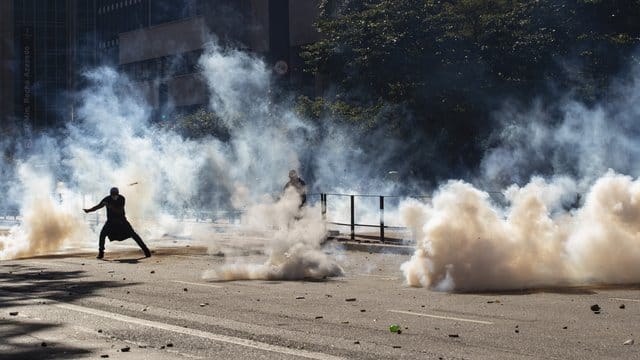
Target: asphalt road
x=128 y=307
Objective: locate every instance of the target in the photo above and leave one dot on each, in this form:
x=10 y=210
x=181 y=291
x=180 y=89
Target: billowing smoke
x=162 y=174
x=573 y=222
x=293 y=248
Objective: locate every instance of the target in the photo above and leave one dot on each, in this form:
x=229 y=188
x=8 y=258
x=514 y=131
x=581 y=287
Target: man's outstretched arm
x=99 y=206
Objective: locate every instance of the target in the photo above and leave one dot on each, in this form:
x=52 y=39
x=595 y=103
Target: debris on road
x=394 y=328
x=356 y=342
x=44 y=344
x=203 y=305
x=319 y=317
x=170 y=345
x=104 y=356
x=300 y=298
x=622 y=306
x=595 y=308
x=185 y=289
x=454 y=335
x=125 y=349
x=628 y=342
x=152 y=271
x=350 y=299
x=13 y=313
x=564 y=327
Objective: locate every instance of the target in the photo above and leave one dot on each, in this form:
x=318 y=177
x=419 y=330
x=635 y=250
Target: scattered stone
x=397 y=346
x=517 y=331
x=145 y=309
x=454 y=335
x=82 y=264
x=493 y=302
x=124 y=279
x=162 y=347
x=421 y=305
x=350 y=299
x=44 y=344
x=152 y=271
x=329 y=296
x=628 y=342
x=356 y=342
x=125 y=349
x=104 y=356
x=100 y=331
x=622 y=306
x=363 y=310
x=13 y=313
x=564 y=328
x=596 y=312
x=203 y=305
x=595 y=307
x=128 y=292
x=345 y=322
x=300 y=298
x=170 y=345
x=110 y=271
x=319 y=317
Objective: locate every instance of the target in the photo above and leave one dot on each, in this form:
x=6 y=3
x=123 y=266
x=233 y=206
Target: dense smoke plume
x=577 y=226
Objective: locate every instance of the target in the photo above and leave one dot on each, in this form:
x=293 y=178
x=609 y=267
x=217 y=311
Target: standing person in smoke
x=117 y=227
x=300 y=186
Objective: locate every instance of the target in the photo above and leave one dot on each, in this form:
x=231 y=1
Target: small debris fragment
x=356 y=342
x=13 y=313
x=350 y=299
x=152 y=271
x=595 y=307
x=564 y=328
x=622 y=306
x=319 y=317
x=82 y=264
x=44 y=344
x=493 y=301
x=345 y=322
x=125 y=349
x=628 y=342
x=100 y=331
x=517 y=331
x=203 y=305
x=162 y=347
x=363 y=310
x=300 y=298
x=329 y=296
x=397 y=346
x=454 y=335
x=110 y=271
x=170 y=345
x=596 y=312
x=124 y=279
x=394 y=328
x=104 y=356
x=128 y=292
x=185 y=289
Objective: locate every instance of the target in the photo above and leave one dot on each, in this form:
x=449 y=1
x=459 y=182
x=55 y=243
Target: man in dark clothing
x=299 y=185
x=117 y=227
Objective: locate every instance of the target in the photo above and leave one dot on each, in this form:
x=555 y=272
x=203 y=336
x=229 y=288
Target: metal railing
x=352 y=223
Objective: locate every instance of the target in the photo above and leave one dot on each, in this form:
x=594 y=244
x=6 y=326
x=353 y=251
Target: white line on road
x=442 y=317
x=379 y=276
x=198 y=284
x=199 y=333
x=623 y=299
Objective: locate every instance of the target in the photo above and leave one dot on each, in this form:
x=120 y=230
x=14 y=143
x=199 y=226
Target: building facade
x=47 y=44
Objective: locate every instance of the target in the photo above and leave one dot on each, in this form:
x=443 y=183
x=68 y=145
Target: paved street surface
x=127 y=307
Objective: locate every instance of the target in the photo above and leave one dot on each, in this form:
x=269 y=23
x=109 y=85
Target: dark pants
x=106 y=229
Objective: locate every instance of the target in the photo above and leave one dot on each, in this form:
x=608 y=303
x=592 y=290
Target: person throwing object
x=117 y=227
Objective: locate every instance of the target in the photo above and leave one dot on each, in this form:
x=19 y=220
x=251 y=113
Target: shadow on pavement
x=19 y=283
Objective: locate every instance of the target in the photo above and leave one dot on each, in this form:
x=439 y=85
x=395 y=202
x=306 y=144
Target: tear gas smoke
x=539 y=234
x=293 y=249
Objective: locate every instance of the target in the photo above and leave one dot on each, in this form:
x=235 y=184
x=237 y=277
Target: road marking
x=379 y=276
x=199 y=333
x=198 y=284
x=623 y=299
x=442 y=317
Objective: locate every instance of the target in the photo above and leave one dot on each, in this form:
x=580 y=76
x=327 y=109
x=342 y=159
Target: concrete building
x=46 y=44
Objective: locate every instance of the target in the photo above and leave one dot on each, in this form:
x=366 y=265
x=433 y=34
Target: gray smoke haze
x=112 y=143
x=539 y=234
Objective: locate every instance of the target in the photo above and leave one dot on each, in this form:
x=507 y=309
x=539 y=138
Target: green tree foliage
x=450 y=62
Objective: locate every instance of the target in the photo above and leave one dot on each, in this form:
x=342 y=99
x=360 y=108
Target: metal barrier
x=352 y=223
